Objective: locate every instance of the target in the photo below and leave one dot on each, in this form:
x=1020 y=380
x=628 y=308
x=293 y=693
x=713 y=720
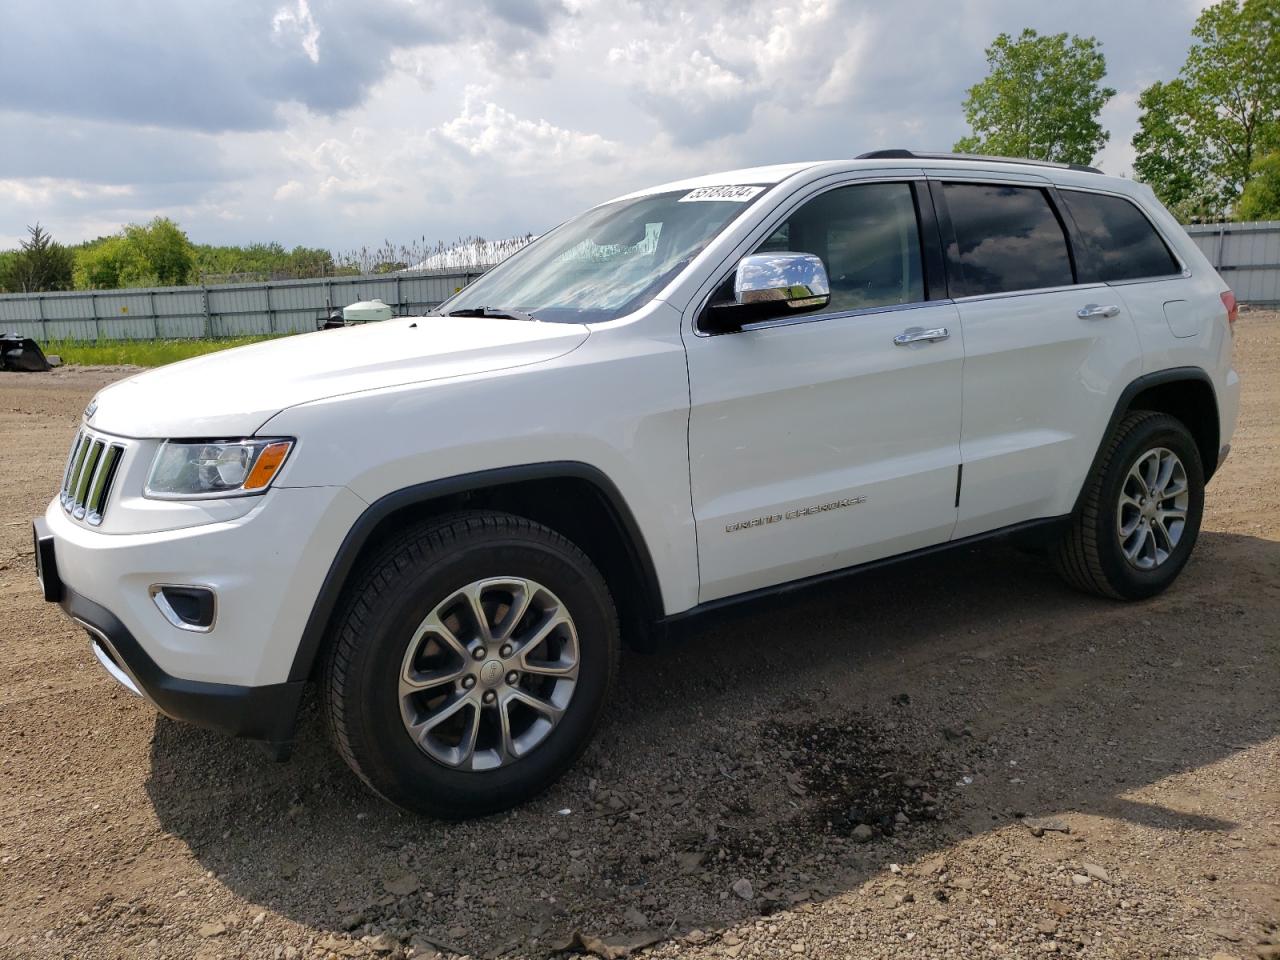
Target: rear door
x=1045 y=353
x=817 y=442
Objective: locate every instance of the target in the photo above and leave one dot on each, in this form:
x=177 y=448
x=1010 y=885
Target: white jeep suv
x=688 y=396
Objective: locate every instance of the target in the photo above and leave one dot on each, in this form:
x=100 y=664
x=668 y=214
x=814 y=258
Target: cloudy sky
x=341 y=124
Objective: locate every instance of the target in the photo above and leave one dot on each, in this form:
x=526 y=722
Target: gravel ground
x=992 y=766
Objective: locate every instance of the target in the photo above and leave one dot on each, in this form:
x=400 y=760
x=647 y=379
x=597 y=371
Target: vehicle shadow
x=956 y=692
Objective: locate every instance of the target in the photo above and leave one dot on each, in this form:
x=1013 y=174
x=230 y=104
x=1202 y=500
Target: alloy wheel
x=489 y=673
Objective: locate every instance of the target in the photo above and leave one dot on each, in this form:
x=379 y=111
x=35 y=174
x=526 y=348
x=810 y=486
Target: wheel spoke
x=474 y=595
x=521 y=597
x=536 y=703
x=1127 y=528
x=413 y=679
x=442 y=713
x=506 y=743
x=1166 y=464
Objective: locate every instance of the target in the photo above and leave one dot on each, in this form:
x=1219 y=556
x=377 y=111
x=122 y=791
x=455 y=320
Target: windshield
x=609 y=261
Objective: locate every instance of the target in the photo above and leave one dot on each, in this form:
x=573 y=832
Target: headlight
x=196 y=469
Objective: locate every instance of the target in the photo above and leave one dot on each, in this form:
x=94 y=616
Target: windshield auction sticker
x=732 y=192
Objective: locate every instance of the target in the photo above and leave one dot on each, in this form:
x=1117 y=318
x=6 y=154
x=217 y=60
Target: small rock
x=690 y=861
x=382 y=943
x=798 y=947
x=742 y=888
x=400 y=883
x=1039 y=827
x=1080 y=880
x=862 y=833
x=635 y=919
x=212 y=930
x=457 y=932
x=1047 y=927
x=350 y=921
x=1095 y=871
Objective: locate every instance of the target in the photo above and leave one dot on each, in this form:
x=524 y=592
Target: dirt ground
x=866 y=770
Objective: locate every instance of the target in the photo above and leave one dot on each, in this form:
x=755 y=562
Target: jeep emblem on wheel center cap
x=491 y=673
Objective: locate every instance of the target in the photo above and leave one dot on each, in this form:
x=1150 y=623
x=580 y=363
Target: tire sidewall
x=1128 y=580
x=390 y=759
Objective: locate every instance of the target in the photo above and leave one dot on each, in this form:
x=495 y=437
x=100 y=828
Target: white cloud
x=322 y=123
x=297 y=23
x=518 y=145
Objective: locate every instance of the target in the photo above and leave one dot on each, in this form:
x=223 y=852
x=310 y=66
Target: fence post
x=155 y=318
x=97 y=323
x=44 y=327
x=204 y=303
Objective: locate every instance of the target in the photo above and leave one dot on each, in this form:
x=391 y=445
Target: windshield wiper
x=492 y=312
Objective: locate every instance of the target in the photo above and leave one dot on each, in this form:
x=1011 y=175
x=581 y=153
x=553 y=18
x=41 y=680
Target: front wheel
x=1140 y=513
x=471 y=665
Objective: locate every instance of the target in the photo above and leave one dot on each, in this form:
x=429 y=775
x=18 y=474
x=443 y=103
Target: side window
x=1006 y=238
x=868 y=239
x=1122 y=243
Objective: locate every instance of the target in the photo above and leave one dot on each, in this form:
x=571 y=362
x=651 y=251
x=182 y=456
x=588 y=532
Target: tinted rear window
x=1120 y=242
x=1006 y=238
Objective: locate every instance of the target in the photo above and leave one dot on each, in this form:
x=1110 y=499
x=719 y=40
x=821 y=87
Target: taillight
x=1233 y=310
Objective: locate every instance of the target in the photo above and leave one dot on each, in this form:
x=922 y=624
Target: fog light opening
x=186 y=607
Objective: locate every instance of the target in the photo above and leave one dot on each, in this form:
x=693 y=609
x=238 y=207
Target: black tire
x=1089 y=556
x=404 y=582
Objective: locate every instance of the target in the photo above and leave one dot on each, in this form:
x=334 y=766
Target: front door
x=818 y=442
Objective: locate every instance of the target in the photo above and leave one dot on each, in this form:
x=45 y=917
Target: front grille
x=91 y=469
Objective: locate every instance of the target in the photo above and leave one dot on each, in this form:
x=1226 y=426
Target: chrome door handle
x=919 y=334
x=1095 y=311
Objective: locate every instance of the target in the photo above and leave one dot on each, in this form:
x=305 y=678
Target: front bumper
x=266 y=569
x=260 y=713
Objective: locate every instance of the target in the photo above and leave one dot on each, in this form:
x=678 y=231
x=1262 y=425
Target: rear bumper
x=265 y=712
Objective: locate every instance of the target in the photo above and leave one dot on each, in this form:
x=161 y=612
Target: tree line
x=160 y=254
x=1208 y=140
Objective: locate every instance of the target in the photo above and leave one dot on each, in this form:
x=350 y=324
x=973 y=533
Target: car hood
x=233 y=392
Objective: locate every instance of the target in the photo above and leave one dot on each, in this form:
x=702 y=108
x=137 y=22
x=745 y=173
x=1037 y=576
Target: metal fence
x=231 y=310
x=1246 y=254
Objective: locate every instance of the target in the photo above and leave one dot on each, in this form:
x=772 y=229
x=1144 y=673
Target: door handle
x=1096 y=311
x=919 y=334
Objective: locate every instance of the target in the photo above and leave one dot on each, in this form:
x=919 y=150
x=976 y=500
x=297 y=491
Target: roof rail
x=900 y=154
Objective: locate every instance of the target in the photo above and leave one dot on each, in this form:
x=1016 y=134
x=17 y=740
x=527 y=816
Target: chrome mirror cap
x=795 y=280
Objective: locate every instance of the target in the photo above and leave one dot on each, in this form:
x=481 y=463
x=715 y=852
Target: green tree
x=1040 y=99
x=1199 y=134
x=41 y=264
x=165 y=250
x=1260 y=199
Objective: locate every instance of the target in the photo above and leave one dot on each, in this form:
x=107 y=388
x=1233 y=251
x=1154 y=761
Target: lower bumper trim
x=258 y=713
x=99 y=644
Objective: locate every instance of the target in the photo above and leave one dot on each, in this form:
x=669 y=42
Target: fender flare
x=358 y=536
x=1137 y=386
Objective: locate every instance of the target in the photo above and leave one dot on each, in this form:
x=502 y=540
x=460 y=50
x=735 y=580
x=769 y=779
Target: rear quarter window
x=1120 y=242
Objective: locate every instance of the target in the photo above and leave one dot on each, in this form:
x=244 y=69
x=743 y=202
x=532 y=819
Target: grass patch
x=142 y=353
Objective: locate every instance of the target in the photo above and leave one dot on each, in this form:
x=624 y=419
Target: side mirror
x=771 y=285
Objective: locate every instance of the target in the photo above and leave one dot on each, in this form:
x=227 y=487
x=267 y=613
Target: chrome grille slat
x=77 y=460
x=90 y=474
x=86 y=474
x=71 y=459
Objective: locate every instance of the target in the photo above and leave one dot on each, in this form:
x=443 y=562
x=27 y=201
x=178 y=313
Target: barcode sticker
x=732 y=192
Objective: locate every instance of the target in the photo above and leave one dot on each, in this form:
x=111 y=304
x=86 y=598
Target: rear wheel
x=1140 y=512
x=471 y=665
